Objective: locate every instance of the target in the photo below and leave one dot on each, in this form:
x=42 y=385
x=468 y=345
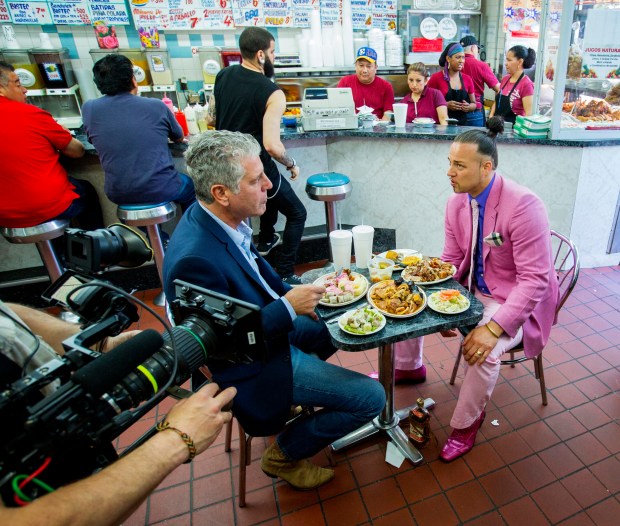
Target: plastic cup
x=340 y=243
x=362 y=242
x=400 y=114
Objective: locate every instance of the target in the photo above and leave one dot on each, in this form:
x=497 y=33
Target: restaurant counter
x=399 y=182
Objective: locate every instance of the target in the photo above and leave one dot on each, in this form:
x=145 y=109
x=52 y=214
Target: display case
x=425 y=32
x=579 y=64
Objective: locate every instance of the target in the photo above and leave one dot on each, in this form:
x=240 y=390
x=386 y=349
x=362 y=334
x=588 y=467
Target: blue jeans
x=475 y=118
x=288 y=204
x=186 y=195
x=348 y=399
x=85 y=209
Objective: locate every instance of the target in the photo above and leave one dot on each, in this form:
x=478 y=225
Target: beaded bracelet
x=164 y=424
x=492 y=331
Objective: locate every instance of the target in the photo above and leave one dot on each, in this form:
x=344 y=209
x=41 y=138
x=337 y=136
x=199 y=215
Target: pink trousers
x=479 y=381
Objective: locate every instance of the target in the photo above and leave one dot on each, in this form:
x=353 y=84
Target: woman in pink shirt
x=424 y=101
x=516 y=90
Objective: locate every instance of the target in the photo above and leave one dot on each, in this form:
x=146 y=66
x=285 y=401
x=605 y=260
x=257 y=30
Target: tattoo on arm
x=285 y=159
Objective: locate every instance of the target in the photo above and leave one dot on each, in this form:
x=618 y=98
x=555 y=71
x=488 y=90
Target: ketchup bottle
x=180 y=117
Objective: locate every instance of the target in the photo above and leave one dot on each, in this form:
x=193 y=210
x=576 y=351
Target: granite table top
x=397 y=329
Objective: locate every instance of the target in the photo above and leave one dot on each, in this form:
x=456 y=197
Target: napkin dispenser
x=328 y=109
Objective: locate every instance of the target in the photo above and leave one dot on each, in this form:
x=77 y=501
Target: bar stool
x=41 y=235
x=149 y=216
x=329 y=187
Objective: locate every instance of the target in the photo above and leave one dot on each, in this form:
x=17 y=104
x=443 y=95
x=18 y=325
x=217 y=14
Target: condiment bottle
x=180 y=117
x=419 y=424
x=190 y=117
x=168 y=102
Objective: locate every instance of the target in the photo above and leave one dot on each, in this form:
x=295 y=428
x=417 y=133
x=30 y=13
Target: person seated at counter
x=35 y=187
x=481 y=73
x=510 y=271
x=131 y=134
x=517 y=90
x=456 y=87
x=368 y=89
x=424 y=102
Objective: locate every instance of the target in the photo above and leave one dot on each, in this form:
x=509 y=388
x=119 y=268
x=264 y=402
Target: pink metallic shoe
x=401 y=376
x=461 y=441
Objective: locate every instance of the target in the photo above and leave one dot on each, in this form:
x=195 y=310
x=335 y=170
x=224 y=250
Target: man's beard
x=268 y=68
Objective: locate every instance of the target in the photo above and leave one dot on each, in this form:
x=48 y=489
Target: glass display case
x=579 y=64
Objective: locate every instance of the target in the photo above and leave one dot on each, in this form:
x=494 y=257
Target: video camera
x=97 y=392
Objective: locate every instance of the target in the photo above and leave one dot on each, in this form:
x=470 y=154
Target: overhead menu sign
x=65 y=12
x=4 y=12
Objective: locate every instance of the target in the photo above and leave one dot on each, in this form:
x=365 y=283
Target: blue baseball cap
x=366 y=53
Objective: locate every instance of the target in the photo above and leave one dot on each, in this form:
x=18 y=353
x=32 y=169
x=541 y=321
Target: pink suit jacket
x=520 y=272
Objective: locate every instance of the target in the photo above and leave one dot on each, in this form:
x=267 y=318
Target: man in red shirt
x=368 y=89
x=478 y=70
x=35 y=187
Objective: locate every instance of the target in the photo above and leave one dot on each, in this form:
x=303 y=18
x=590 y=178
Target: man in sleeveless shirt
x=246 y=100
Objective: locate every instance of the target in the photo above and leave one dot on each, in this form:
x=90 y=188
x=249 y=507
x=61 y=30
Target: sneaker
x=292 y=280
x=265 y=248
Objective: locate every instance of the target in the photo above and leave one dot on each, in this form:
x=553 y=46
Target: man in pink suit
x=513 y=273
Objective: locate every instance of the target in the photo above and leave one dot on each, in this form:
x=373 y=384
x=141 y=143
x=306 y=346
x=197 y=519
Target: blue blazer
x=200 y=252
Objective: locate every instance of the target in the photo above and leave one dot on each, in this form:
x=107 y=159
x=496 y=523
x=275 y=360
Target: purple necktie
x=475 y=211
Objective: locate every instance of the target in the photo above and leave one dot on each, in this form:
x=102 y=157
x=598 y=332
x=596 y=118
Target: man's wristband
x=289 y=168
x=164 y=424
x=492 y=331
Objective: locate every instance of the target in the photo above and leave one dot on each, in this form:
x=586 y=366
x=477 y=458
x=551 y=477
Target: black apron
x=502 y=104
x=458 y=95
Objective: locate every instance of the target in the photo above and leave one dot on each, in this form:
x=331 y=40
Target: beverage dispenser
x=60 y=95
x=26 y=69
x=213 y=59
x=163 y=80
x=138 y=59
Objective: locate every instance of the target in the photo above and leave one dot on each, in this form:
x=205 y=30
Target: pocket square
x=494 y=239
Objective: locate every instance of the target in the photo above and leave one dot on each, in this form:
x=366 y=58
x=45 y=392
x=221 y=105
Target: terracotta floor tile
x=502 y=486
x=401 y=517
x=138 y=517
x=451 y=474
x=304 y=517
x=588 y=448
x=511 y=447
x=576 y=348
x=556 y=502
x=342 y=482
x=469 y=500
x=520 y=414
x=418 y=484
x=220 y=514
x=492 y=518
x=505 y=394
x=573 y=370
x=605 y=513
x=569 y=396
x=611 y=355
x=579 y=329
x=585 y=488
x=595 y=363
x=434 y=511
x=581 y=519
x=290 y=499
x=169 y=503
x=607 y=472
x=370 y=467
x=609 y=436
x=609 y=403
x=344 y=510
x=483 y=459
x=565 y=425
x=383 y=497
x=261 y=506
x=590 y=415
x=554 y=354
x=561 y=460
x=179 y=475
x=538 y=436
x=181 y=520
x=523 y=511
x=532 y=473
x=211 y=489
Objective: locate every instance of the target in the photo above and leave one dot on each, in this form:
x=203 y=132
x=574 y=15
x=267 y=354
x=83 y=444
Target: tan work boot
x=301 y=474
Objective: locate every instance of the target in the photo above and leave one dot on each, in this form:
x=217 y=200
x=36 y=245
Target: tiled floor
x=558 y=464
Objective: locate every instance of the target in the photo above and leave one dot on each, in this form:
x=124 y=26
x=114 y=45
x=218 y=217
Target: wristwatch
x=289 y=168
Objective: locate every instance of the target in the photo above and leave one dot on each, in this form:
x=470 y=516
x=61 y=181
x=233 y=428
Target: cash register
x=328 y=109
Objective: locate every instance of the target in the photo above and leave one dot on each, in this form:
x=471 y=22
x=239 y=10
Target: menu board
x=183 y=14
x=4 y=12
x=264 y=13
x=601 y=45
x=66 y=12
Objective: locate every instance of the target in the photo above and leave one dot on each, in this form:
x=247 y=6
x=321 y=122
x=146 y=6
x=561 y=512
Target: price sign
x=30 y=13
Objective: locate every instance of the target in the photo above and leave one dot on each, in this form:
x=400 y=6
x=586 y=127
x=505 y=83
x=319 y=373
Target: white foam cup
x=340 y=243
x=400 y=114
x=362 y=241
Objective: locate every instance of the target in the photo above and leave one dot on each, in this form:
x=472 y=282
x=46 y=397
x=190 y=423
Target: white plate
x=427 y=283
x=342 y=319
x=402 y=252
x=390 y=315
x=321 y=282
x=432 y=306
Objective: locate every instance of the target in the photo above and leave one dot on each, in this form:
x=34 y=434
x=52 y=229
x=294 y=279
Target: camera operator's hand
x=304 y=298
x=115 y=341
x=201 y=416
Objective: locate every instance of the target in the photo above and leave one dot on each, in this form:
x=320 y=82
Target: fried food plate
x=402 y=253
x=360 y=286
x=382 y=295
x=418 y=272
